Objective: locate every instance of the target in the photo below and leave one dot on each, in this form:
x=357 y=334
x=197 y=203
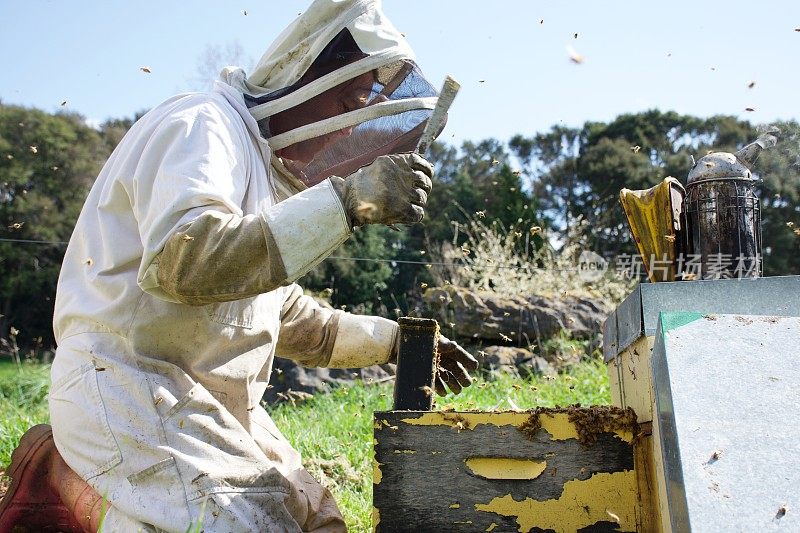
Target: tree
x=47 y=165
x=213 y=59
x=779 y=190
x=357 y=273
x=476 y=180
x=580 y=171
x=113 y=130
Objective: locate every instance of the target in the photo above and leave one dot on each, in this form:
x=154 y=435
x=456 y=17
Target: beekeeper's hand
x=454 y=366
x=392 y=190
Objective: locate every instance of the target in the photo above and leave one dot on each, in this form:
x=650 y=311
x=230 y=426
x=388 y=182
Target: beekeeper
x=177 y=290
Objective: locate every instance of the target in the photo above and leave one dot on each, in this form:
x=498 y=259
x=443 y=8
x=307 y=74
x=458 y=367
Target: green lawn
x=333 y=431
x=23 y=402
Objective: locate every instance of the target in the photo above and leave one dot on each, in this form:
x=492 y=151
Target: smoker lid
x=722 y=165
x=718 y=165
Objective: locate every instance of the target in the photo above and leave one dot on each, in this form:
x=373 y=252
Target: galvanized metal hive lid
x=727 y=417
x=638 y=314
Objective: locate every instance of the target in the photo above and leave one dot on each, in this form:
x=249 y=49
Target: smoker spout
x=747 y=155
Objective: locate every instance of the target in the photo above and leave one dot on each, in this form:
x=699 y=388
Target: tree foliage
x=47 y=164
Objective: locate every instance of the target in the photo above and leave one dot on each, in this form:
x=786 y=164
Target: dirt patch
x=589 y=421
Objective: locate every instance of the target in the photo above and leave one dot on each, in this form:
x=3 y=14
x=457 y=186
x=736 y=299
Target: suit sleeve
x=316 y=336
x=199 y=247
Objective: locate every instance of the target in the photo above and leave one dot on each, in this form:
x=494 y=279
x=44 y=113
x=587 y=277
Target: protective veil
x=332 y=49
x=176 y=290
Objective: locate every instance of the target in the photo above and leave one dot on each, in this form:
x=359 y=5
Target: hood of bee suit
x=332 y=42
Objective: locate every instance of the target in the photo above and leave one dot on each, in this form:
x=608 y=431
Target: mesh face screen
x=342 y=152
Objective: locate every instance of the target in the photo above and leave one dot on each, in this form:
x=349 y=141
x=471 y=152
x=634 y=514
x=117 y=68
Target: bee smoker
x=722 y=216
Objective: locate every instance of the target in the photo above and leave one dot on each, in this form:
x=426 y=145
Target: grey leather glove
x=454 y=366
x=393 y=189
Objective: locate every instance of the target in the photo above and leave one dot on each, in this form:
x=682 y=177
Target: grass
x=333 y=431
x=23 y=402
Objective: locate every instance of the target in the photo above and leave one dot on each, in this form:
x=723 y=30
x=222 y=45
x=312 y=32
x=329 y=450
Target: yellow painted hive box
x=569 y=469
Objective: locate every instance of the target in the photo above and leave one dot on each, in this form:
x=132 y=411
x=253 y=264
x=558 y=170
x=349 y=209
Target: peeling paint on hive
x=582 y=503
x=377 y=475
x=557 y=425
x=376 y=518
x=502 y=458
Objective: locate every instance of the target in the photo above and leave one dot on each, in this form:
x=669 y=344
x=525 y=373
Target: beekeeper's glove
x=454 y=366
x=393 y=189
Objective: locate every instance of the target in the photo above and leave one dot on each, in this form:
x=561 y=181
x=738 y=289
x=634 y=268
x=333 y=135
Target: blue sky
x=691 y=57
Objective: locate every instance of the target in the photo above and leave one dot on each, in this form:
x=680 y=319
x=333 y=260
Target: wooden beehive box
x=542 y=470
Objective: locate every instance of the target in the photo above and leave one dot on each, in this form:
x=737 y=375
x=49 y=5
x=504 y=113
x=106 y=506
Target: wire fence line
x=365 y=259
x=28 y=241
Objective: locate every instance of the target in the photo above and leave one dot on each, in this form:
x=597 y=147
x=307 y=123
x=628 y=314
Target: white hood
x=275 y=84
x=295 y=49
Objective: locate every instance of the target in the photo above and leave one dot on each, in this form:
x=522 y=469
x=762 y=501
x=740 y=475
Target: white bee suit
x=176 y=293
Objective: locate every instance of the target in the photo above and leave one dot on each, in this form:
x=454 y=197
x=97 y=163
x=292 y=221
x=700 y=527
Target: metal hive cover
x=638 y=314
x=728 y=407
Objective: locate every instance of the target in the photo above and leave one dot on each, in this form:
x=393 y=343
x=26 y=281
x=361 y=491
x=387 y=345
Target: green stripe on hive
x=676 y=319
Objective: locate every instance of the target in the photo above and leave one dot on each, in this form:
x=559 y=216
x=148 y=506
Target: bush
x=520 y=261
